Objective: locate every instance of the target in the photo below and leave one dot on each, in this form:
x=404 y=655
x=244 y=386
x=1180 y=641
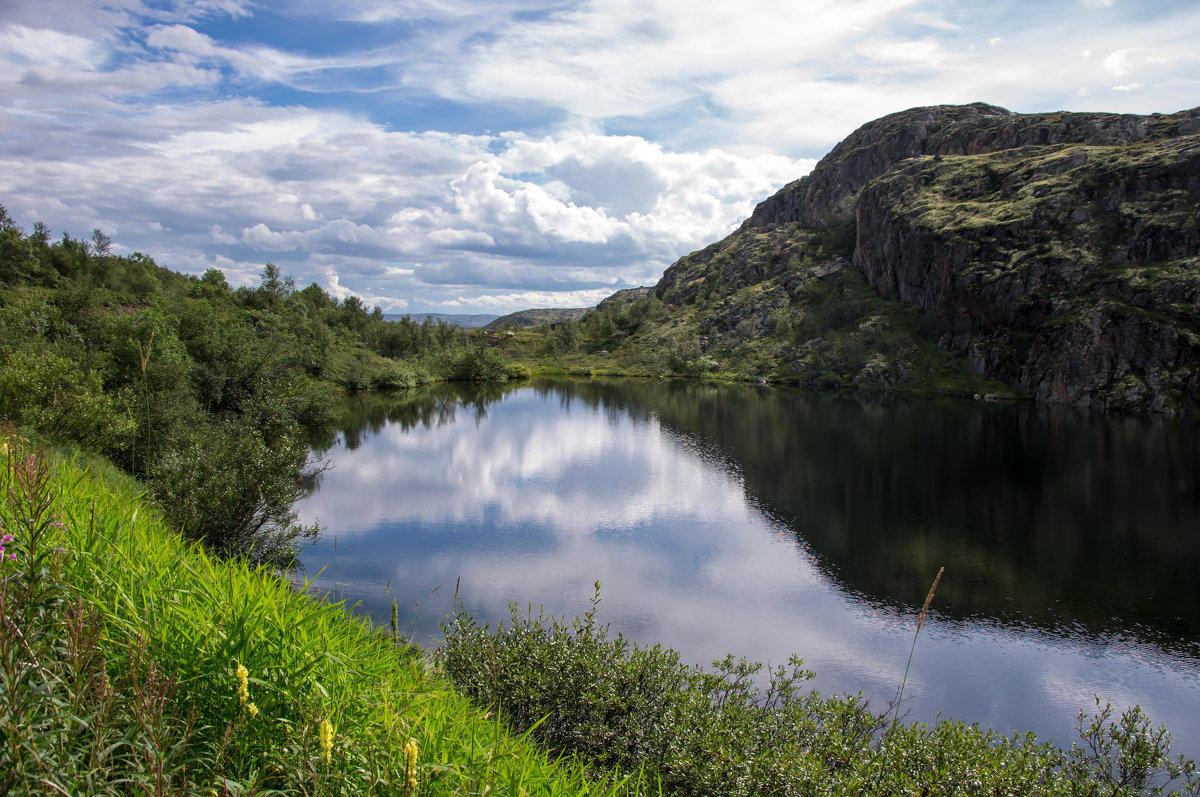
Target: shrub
x=481 y=363
x=739 y=730
x=52 y=393
x=232 y=483
x=629 y=707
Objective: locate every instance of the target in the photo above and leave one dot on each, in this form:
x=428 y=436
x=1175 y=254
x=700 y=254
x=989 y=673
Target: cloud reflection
x=537 y=497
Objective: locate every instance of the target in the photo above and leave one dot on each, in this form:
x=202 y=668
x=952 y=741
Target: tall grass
x=132 y=662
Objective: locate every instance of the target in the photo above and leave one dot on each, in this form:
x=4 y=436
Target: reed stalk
x=920 y=622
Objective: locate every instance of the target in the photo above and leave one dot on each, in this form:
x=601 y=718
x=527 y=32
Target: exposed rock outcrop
x=1069 y=270
x=1060 y=251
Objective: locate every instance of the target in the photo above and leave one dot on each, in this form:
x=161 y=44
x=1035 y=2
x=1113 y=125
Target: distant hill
x=533 y=318
x=464 y=321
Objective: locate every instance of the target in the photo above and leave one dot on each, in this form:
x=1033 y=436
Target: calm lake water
x=769 y=522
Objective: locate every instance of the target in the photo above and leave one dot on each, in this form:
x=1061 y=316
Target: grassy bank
x=133 y=663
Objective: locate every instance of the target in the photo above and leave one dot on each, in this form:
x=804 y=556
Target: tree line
x=207 y=393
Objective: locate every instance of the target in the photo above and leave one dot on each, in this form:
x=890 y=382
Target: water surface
x=767 y=522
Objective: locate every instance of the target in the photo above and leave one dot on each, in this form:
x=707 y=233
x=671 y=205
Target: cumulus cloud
x=636 y=131
x=321 y=193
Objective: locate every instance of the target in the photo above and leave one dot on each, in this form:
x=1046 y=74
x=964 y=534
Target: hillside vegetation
x=207 y=394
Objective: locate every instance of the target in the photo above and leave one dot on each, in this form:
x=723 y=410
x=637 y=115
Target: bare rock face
x=1071 y=271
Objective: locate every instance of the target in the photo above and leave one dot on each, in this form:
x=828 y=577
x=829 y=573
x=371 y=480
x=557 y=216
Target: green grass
x=119 y=663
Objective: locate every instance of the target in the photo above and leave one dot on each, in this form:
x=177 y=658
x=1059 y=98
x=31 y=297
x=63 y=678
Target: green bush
x=231 y=484
x=740 y=731
x=48 y=391
x=481 y=363
x=629 y=707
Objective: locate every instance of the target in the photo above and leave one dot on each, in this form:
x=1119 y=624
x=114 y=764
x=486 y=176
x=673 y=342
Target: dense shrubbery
x=628 y=708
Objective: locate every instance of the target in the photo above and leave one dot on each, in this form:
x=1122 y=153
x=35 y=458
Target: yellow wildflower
x=243 y=685
x=411 y=751
x=252 y=709
x=325 y=738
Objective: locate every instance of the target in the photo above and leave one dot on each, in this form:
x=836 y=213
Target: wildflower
x=5 y=539
x=243 y=685
x=252 y=709
x=411 y=751
x=325 y=738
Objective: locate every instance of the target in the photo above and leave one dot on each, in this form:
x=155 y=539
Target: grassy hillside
x=536 y=317
x=122 y=656
x=780 y=305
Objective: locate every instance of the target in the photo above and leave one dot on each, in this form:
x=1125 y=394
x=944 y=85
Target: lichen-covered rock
x=827 y=195
x=1070 y=271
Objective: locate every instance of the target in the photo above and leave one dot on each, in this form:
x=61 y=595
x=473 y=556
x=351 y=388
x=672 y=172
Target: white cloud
x=261 y=238
x=51 y=49
x=601 y=59
x=461 y=238
x=501 y=303
x=141 y=117
x=323 y=193
x=220 y=237
x=1119 y=63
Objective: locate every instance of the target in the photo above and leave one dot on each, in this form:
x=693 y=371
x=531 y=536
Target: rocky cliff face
x=1060 y=252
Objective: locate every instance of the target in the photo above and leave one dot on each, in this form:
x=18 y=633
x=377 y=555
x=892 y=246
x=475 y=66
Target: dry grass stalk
x=920 y=622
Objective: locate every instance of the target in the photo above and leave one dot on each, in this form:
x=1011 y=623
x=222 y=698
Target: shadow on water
x=1043 y=516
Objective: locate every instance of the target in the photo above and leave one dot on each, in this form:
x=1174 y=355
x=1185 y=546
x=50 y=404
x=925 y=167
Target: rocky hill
x=537 y=317
x=1056 y=253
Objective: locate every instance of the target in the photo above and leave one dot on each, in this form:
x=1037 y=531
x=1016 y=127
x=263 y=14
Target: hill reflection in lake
x=765 y=522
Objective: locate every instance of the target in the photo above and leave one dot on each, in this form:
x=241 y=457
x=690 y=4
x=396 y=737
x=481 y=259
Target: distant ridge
x=464 y=321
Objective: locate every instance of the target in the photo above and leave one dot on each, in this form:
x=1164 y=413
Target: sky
x=487 y=156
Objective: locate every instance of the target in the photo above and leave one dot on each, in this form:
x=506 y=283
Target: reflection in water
x=768 y=522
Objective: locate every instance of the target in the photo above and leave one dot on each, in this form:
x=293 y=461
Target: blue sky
x=482 y=157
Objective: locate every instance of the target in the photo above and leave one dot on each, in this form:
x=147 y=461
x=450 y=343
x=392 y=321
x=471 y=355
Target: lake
x=766 y=522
